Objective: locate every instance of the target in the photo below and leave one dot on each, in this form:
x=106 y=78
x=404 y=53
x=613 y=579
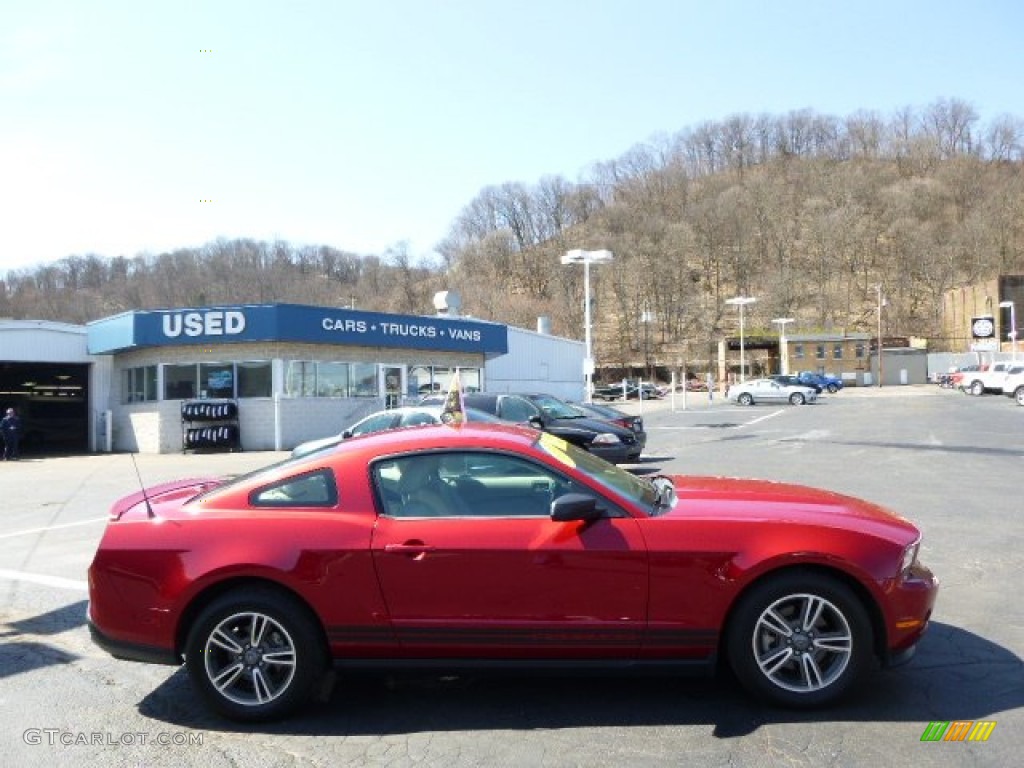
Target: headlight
x=909 y=556
x=606 y=438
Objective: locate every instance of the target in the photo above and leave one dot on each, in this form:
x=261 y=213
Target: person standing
x=10 y=426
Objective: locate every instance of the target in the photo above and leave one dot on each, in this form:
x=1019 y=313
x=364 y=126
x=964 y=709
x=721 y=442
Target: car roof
x=438 y=436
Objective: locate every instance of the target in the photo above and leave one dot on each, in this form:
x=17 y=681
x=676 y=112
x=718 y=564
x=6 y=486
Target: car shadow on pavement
x=22 y=650
x=956 y=675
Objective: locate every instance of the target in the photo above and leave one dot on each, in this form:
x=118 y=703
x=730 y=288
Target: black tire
x=797 y=399
x=1018 y=395
x=255 y=681
x=832 y=389
x=977 y=388
x=778 y=657
x=745 y=399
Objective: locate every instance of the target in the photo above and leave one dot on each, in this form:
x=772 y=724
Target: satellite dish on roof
x=447 y=302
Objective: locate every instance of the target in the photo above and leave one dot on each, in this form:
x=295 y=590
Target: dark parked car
x=488 y=545
x=603 y=412
x=633 y=391
x=602 y=438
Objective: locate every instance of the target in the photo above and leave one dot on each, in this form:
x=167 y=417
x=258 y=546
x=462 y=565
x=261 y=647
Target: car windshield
x=641 y=492
x=555 y=408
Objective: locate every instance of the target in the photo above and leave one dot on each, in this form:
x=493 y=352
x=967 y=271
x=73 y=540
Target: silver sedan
x=770 y=391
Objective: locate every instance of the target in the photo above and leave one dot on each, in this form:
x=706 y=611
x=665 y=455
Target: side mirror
x=346 y=434
x=536 y=422
x=575 y=506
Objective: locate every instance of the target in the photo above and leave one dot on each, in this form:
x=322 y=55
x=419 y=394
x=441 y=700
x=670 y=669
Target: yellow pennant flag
x=453 y=412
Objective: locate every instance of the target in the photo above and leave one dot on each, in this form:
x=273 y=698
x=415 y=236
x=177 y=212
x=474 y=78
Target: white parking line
x=46 y=581
x=28 y=531
x=771 y=415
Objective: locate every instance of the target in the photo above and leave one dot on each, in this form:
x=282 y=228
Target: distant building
x=974 y=321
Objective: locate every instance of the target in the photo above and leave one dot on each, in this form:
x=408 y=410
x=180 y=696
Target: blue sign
x=295 y=323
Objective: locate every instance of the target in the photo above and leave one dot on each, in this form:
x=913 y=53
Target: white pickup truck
x=1013 y=384
x=987 y=380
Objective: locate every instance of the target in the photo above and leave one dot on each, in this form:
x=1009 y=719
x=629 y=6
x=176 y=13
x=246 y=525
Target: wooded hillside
x=808 y=213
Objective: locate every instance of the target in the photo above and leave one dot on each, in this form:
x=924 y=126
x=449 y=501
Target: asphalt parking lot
x=951 y=463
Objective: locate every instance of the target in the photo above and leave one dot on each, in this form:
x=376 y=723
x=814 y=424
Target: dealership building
x=254 y=377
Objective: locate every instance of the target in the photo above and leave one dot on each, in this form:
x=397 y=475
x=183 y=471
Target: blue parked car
x=824 y=381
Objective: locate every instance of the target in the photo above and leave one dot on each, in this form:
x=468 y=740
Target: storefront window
x=364 y=380
x=138 y=385
x=180 y=382
x=255 y=379
x=419 y=381
x=300 y=380
x=216 y=380
x=332 y=379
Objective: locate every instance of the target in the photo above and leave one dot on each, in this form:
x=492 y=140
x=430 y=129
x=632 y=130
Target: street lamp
x=783 y=347
x=741 y=302
x=586 y=258
x=1013 y=326
x=647 y=317
x=881 y=303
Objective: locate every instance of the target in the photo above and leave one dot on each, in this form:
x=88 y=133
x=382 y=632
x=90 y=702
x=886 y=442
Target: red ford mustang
x=485 y=544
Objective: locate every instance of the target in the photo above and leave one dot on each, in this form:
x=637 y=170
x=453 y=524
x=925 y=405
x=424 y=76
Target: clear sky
x=144 y=125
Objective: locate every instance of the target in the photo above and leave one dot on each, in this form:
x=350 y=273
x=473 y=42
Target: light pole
x=647 y=317
x=586 y=258
x=881 y=303
x=783 y=347
x=741 y=302
x=1013 y=327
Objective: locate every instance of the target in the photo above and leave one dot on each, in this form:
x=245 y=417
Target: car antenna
x=145 y=497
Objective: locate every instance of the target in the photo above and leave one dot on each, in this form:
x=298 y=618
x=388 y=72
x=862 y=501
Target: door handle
x=407 y=549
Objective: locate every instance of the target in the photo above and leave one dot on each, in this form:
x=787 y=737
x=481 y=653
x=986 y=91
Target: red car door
x=497 y=578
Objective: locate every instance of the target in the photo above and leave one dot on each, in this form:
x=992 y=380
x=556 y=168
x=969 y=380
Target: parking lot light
x=741 y=302
x=586 y=258
x=1013 y=328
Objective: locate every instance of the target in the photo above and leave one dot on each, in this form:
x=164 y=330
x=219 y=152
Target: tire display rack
x=210 y=425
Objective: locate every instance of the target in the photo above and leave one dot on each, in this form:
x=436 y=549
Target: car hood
x=732 y=499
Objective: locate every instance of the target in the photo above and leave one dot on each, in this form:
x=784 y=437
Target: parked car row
x=1004 y=377
x=599 y=429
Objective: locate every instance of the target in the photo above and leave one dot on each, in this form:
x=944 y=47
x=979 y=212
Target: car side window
x=470 y=484
x=516 y=409
x=416 y=418
x=375 y=423
x=315 y=489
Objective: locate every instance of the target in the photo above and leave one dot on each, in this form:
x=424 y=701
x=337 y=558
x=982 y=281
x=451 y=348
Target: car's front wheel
x=255 y=655
x=797 y=399
x=833 y=388
x=799 y=640
x=745 y=399
x=1019 y=395
x=977 y=388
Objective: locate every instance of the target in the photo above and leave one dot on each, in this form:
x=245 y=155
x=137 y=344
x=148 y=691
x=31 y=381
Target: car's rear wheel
x=1019 y=395
x=255 y=655
x=799 y=640
x=977 y=388
x=797 y=399
x=745 y=399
